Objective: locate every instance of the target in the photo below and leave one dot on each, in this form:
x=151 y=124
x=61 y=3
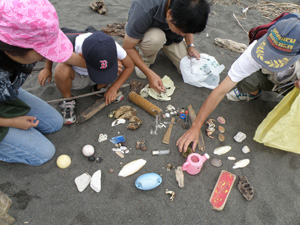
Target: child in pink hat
x=29 y=32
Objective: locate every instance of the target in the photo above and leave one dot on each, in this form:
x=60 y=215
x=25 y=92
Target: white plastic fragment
x=241 y=163
x=231 y=158
x=239 y=137
x=96 y=181
x=245 y=149
x=117 y=122
x=102 y=137
x=132 y=167
x=222 y=150
x=82 y=181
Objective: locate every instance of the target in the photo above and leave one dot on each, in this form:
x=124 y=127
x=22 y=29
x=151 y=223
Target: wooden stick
x=240 y=23
x=192 y=114
x=92 y=110
x=81 y=96
x=166 y=138
x=144 y=104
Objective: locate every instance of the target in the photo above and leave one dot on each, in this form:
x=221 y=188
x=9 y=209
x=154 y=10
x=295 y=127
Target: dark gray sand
x=47 y=195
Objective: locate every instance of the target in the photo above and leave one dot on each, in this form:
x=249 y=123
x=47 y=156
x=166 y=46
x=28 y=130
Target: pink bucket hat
x=34 y=24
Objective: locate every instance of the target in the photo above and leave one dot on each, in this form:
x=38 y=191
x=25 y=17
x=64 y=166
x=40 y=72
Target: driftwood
x=231 y=45
x=115 y=29
x=99 y=6
x=5 y=203
x=92 y=110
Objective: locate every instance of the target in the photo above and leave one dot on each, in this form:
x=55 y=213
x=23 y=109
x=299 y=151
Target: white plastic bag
x=201 y=73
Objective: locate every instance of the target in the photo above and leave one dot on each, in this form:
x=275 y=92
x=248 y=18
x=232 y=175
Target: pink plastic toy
x=194 y=163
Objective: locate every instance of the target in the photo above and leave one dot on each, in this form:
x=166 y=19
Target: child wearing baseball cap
x=29 y=32
x=101 y=54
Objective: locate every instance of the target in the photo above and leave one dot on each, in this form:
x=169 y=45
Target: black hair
x=10 y=65
x=190 y=16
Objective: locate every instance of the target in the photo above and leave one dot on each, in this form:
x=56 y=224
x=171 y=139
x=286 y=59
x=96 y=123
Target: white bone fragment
x=117 y=122
x=132 y=167
x=96 y=181
x=241 y=163
x=245 y=149
x=82 y=181
x=239 y=137
x=102 y=137
x=222 y=150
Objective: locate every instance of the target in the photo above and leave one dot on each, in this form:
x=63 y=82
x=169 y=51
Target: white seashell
x=239 y=137
x=231 y=158
x=222 y=150
x=102 y=137
x=241 y=163
x=117 y=122
x=132 y=167
x=245 y=149
x=167 y=115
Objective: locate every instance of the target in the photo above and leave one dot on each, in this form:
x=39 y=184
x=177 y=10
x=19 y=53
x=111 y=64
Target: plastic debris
x=88 y=150
x=102 y=137
x=239 y=137
x=172 y=193
x=132 y=167
x=82 y=181
x=241 y=163
x=96 y=181
x=179 y=176
x=148 y=181
x=117 y=140
x=161 y=152
x=222 y=150
x=245 y=149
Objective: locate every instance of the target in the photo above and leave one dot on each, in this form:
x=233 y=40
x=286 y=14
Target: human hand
x=44 y=75
x=192 y=52
x=24 y=122
x=110 y=95
x=156 y=83
x=191 y=135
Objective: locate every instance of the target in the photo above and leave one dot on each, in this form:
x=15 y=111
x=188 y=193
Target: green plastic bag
x=281 y=128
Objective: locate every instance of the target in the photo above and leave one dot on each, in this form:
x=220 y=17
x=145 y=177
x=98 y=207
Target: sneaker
x=236 y=95
x=68 y=111
x=100 y=94
x=139 y=73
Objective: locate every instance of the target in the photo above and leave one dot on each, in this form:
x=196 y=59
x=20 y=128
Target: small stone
x=239 y=137
x=111 y=170
x=221 y=129
x=143 y=147
x=221 y=120
x=216 y=162
x=245 y=149
x=91 y=158
x=99 y=159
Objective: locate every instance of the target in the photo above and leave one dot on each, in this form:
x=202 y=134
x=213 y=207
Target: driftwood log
x=92 y=110
x=192 y=114
x=231 y=45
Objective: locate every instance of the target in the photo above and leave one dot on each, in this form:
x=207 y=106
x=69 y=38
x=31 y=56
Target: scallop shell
x=221 y=129
x=216 y=162
x=222 y=150
x=241 y=163
x=221 y=137
x=221 y=120
x=245 y=149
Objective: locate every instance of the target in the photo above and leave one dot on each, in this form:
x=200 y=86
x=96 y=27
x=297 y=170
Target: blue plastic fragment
x=148 y=181
x=117 y=140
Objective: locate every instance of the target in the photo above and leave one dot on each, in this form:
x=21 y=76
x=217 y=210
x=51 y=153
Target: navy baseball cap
x=100 y=53
x=280 y=47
